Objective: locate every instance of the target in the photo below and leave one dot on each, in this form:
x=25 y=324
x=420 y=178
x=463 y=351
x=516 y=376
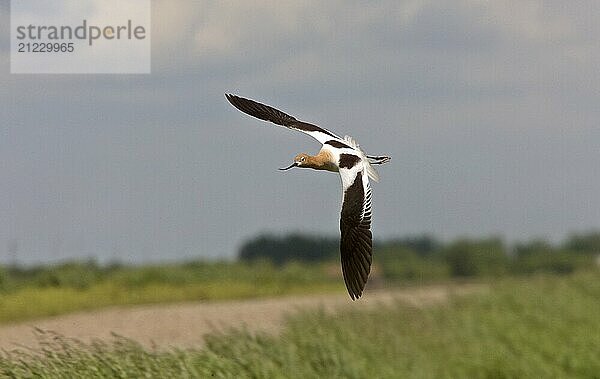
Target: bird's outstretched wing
x=267 y=113
x=356 y=245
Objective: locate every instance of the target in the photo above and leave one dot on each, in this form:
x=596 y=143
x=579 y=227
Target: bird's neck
x=322 y=161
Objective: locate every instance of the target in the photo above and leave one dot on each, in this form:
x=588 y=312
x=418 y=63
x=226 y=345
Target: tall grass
x=540 y=327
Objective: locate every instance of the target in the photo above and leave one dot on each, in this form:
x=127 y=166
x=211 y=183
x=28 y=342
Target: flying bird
x=342 y=155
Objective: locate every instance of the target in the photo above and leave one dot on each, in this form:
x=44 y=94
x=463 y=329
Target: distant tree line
x=426 y=257
x=414 y=258
x=292 y=247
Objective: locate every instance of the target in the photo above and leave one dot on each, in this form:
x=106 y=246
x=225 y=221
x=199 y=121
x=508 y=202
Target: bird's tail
x=378 y=159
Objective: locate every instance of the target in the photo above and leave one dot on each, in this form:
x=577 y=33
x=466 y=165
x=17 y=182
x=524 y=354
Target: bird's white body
x=353 y=148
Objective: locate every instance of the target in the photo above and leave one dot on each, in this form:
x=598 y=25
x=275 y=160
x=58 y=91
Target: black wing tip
x=231 y=97
x=355 y=290
x=235 y=98
x=238 y=102
x=355 y=296
x=261 y=111
x=355 y=280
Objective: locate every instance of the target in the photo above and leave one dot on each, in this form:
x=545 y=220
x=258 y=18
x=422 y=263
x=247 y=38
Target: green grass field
x=538 y=327
x=76 y=287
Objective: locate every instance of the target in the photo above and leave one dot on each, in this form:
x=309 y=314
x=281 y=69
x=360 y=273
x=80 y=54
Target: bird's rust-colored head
x=300 y=160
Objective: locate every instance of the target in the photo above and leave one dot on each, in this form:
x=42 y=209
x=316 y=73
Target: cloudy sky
x=490 y=111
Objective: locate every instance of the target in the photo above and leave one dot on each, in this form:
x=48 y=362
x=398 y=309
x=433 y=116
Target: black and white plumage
x=341 y=155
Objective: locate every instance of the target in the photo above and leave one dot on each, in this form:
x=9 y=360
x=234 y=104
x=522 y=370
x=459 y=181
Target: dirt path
x=183 y=325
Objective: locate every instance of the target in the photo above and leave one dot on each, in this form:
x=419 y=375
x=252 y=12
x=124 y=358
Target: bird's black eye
x=302 y=159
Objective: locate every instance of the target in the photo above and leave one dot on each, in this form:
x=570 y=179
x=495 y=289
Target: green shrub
x=4 y=279
x=401 y=264
x=468 y=257
x=70 y=275
x=586 y=243
x=557 y=262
